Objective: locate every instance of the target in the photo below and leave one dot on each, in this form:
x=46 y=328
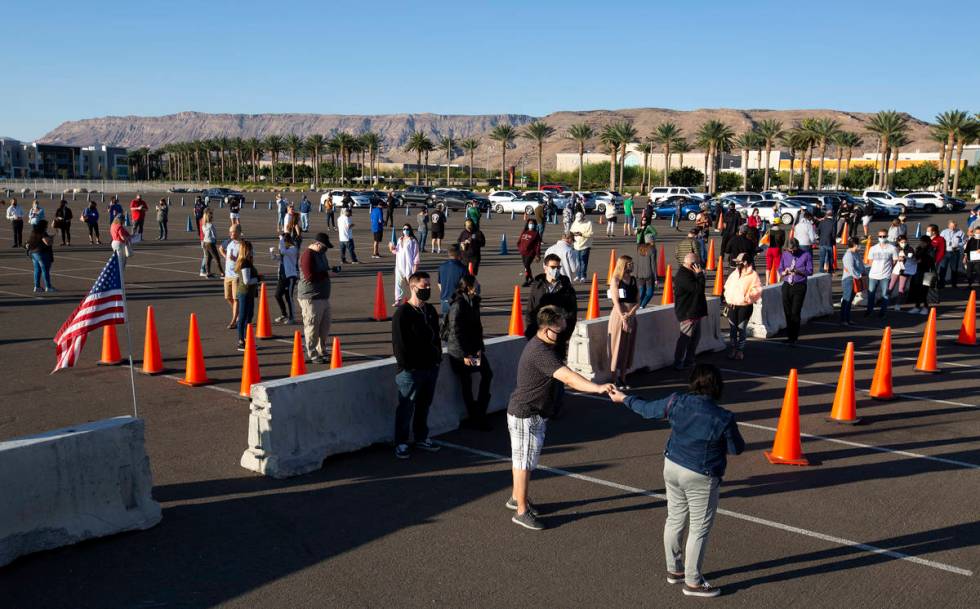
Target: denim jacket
x=703 y=432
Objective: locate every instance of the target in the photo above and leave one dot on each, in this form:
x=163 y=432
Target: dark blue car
x=666 y=208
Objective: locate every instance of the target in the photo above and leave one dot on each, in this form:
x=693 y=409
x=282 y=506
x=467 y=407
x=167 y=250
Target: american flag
x=103 y=306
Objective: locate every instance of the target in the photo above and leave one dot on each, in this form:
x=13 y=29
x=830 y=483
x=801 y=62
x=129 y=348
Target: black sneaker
x=428 y=445
x=705 y=590
x=401 y=451
x=512 y=505
x=675 y=578
x=528 y=521
x=241 y=345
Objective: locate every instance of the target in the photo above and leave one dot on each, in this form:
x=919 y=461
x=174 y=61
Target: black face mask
x=423 y=294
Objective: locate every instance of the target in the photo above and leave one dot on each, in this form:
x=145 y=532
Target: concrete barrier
x=768 y=316
x=72 y=484
x=656 y=332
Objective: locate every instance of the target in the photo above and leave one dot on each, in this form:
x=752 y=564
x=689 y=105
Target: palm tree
x=315 y=143
x=580 y=133
x=702 y=142
x=824 y=129
x=839 y=140
x=224 y=147
x=718 y=137
x=887 y=125
x=448 y=145
x=950 y=123
x=627 y=134
x=427 y=147
x=794 y=139
x=770 y=131
x=680 y=145
x=936 y=134
x=968 y=134
x=345 y=145
x=470 y=145
x=610 y=138
x=747 y=142
x=647 y=149
x=896 y=144
x=372 y=143
x=505 y=134
x=665 y=135
x=808 y=133
x=238 y=145
x=207 y=146
x=255 y=149
x=416 y=144
x=538 y=132
x=275 y=145
x=293 y=143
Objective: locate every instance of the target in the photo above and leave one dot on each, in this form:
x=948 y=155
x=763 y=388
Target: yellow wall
x=831 y=164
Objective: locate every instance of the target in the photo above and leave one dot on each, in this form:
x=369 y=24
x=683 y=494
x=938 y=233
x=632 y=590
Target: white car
x=603 y=198
x=662 y=192
x=773 y=194
x=929 y=202
x=743 y=197
x=789 y=212
x=886 y=198
x=502 y=196
x=525 y=202
x=337 y=196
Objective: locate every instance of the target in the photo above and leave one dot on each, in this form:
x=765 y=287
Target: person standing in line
x=229 y=250
x=743 y=289
x=35 y=214
x=416 y=344
x=754 y=220
x=163 y=216
x=62 y=220
x=867 y=213
x=407 y=256
x=291 y=226
x=199 y=207
x=678 y=212
x=883 y=256
x=529 y=245
x=467 y=354
x=903 y=227
x=328 y=210
x=826 y=238
x=115 y=209
x=450 y=273
x=645 y=229
x=971 y=258
x=777 y=239
x=347 y=201
x=703 y=433
x=540 y=215
x=471 y=242
x=732 y=221
x=922 y=288
x=247 y=288
x=540 y=374
x=622 y=320
x=345 y=232
x=437 y=221
x=390 y=204
x=582 y=232
x=795 y=266
x=938 y=245
x=852 y=278
x=901 y=272
x=90 y=215
x=629 y=225
x=138 y=209
x=690 y=307
x=894 y=231
x=422 y=224
x=40 y=247
x=567 y=217
x=15 y=215
x=209 y=245
x=234 y=211
x=804 y=232
x=566 y=254
x=741 y=245
x=305 y=207
x=688 y=245
x=473 y=213
x=949 y=269
x=286 y=278
x=282 y=205
x=551 y=288
x=313 y=294
x=377 y=230
x=611 y=219
x=645 y=269
x=121 y=239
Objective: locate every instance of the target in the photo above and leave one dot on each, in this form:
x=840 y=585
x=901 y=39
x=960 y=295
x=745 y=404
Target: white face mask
x=552 y=273
x=530 y=226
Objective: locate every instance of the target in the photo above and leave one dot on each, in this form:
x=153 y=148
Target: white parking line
x=738 y=515
x=856 y=352
x=90 y=279
x=212 y=387
x=894 y=330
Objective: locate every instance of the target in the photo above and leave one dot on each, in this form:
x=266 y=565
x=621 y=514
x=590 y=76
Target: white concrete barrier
x=768 y=316
x=64 y=486
x=656 y=336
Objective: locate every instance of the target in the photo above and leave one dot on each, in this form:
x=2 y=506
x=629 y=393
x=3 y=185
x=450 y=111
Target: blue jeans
x=949 y=267
x=347 y=247
x=646 y=291
x=826 y=258
x=583 y=262
x=415 y=391
x=246 y=306
x=423 y=235
x=42 y=268
x=847 y=297
x=878 y=288
x=304 y=221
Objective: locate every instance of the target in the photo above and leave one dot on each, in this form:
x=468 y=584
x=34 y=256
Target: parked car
x=502 y=196
x=773 y=194
x=813 y=203
x=667 y=208
x=607 y=197
x=789 y=211
x=889 y=199
x=213 y=196
x=662 y=192
x=553 y=188
x=929 y=202
x=361 y=199
x=458 y=199
x=415 y=196
x=742 y=197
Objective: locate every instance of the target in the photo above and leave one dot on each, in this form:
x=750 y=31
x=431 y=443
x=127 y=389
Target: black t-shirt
x=534 y=393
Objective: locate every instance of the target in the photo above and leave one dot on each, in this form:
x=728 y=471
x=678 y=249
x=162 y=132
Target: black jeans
x=415 y=391
x=284 y=295
x=687 y=342
x=163 y=229
x=66 y=233
x=138 y=227
x=476 y=409
x=527 y=261
x=793 y=296
x=93 y=231
x=18 y=226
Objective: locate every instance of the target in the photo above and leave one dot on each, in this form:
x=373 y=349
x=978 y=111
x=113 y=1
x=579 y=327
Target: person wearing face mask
x=743 y=289
x=313 y=295
x=582 y=231
x=622 y=320
x=464 y=337
x=551 y=288
x=471 y=242
x=852 y=278
x=883 y=256
x=950 y=266
x=922 y=287
x=645 y=229
x=450 y=272
x=971 y=258
x=902 y=272
x=645 y=270
x=566 y=253
x=529 y=245
x=690 y=307
x=406 y=252
x=937 y=243
x=416 y=344
x=795 y=266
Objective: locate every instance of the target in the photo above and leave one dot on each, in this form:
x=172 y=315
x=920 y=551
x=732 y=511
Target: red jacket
x=529 y=243
x=138 y=208
x=939 y=244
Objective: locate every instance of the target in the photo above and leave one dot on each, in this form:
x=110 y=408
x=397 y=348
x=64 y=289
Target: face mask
x=405 y=232
x=579 y=217
x=881 y=239
x=530 y=226
x=423 y=294
x=552 y=273
x=902 y=244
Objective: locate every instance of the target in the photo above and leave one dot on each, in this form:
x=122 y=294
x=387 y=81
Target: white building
x=568 y=161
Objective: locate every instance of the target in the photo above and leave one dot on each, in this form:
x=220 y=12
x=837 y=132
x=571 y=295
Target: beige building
x=568 y=161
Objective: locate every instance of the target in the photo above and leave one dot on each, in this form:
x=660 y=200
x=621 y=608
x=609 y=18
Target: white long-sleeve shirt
x=569 y=262
x=406 y=256
x=345 y=228
x=584 y=239
x=804 y=233
x=15 y=212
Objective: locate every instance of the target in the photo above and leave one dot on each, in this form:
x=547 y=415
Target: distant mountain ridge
x=156 y=131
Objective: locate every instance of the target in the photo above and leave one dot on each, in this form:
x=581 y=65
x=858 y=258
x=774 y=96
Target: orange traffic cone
x=380 y=309
x=721 y=222
x=881 y=383
x=764 y=240
x=516 y=327
x=264 y=321
x=844 y=409
x=719 y=277
x=195 y=374
x=786 y=447
x=250 y=364
x=110 y=347
x=867 y=251
x=298 y=366
x=844 y=236
x=711 y=255
x=927 y=352
x=792 y=233
x=968 y=329
x=833 y=261
x=668 y=296
x=470 y=269
x=773 y=274
x=661 y=263
x=593 y=311
x=336 y=355
x=612 y=266
x=152 y=360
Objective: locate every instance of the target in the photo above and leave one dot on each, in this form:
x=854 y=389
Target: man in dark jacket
x=551 y=288
x=467 y=355
x=690 y=306
x=732 y=221
x=417 y=348
x=687 y=245
x=826 y=238
x=741 y=244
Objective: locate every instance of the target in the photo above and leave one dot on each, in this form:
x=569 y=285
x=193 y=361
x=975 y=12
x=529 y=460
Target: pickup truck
x=662 y=192
x=415 y=196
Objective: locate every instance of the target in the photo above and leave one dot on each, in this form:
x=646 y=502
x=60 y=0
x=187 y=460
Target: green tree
x=824 y=129
x=918 y=177
x=373 y=143
x=293 y=144
x=686 y=176
x=770 y=131
x=416 y=144
x=610 y=139
x=504 y=134
x=665 y=135
x=448 y=145
x=859 y=178
x=275 y=145
x=730 y=181
x=950 y=124
x=538 y=132
x=718 y=137
x=580 y=133
x=315 y=143
x=626 y=133
x=470 y=145
x=746 y=142
x=886 y=126
x=968 y=134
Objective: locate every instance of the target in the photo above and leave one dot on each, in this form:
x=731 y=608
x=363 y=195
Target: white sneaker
x=913 y=311
x=898 y=307
x=924 y=311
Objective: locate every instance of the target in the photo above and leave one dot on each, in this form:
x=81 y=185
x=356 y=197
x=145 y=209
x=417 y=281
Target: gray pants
x=690 y=496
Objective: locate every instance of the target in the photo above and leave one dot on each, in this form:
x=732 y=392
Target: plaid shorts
x=526 y=440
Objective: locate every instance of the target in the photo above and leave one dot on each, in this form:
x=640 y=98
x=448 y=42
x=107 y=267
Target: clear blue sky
x=73 y=60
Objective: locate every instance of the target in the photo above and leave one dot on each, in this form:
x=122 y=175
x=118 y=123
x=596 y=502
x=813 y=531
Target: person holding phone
x=467 y=356
x=795 y=266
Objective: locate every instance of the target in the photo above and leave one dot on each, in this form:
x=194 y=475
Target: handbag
x=928 y=278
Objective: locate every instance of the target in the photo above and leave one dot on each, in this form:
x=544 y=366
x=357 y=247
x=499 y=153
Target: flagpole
x=129 y=335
